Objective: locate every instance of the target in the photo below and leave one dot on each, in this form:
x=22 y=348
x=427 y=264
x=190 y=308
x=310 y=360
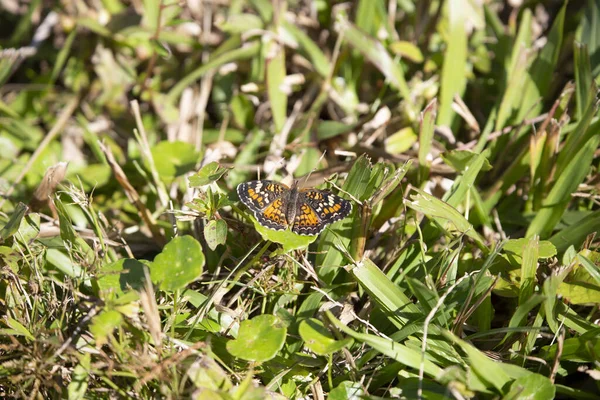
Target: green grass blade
x=453 y=78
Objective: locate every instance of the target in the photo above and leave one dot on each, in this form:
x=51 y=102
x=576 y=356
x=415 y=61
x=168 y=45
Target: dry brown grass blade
x=133 y=196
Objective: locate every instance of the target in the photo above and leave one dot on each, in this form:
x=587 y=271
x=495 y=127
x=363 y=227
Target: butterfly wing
x=317 y=209
x=266 y=199
x=257 y=195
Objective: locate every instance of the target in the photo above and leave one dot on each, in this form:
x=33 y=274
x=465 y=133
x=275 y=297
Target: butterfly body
x=279 y=207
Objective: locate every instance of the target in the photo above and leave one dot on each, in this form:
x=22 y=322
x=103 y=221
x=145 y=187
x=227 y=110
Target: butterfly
x=277 y=206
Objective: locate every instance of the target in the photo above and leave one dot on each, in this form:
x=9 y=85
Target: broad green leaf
x=259 y=339
x=104 y=324
x=318 y=339
x=180 y=263
x=122 y=275
x=208 y=174
x=580 y=287
x=582 y=348
x=518 y=246
x=173 y=159
x=288 y=239
x=328 y=129
x=215 y=233
x=531 y=387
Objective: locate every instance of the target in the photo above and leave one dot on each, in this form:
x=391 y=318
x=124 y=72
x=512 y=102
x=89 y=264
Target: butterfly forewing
x=257 y=195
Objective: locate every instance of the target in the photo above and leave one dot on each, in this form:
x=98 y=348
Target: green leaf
x=401 y=141
x=428 y=117
x=389 y=296
x=208 y=174
x=531 y=387
x=396 y=351
x=180 y=263
x=275 y=76
x=288 y=239
x=206 y=373
x=576 y=233
x=259 y=339
x=585 y=92
x=407 y=50
x=174 y=159
x=18 y=329
x=347 y=391
x=328 y=129
x=590 y=32
x=104 y=324
x=79 y=378
x=376 y=53
x=460 y=160
x=306 y=45
x=529 y=269
x=240 y=23
x=318 y=339
x=215 y=233
x=122 y=275
x=447 y=216
x=487 y=370
x=539 y=77
x=518 y=246
x=454 y=77
x=14 y=222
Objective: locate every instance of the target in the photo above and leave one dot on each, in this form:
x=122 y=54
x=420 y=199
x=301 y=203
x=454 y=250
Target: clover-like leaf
x=259 y=339
x=180 y=263
x=318 y=339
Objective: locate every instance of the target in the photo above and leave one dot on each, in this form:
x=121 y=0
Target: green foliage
x=464 y=134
